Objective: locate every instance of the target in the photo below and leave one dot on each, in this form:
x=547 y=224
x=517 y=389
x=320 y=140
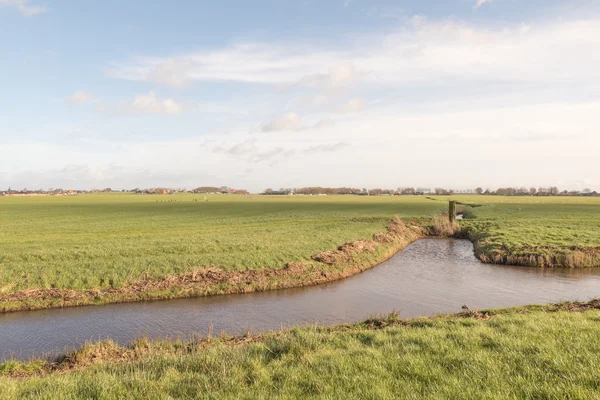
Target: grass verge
x=523 y=352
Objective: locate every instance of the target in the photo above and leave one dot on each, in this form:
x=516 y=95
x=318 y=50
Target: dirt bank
x=348 y=259
x=109 y=352
x=537 y=256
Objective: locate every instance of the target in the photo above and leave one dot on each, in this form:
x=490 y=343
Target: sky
x=267 y=93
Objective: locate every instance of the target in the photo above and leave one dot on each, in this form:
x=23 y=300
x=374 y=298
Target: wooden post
x=452 y=211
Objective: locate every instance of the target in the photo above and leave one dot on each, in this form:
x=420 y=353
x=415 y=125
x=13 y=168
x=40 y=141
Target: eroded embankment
x=348 y=259
x=109 y=352
x=541 y=256
x=531 y=256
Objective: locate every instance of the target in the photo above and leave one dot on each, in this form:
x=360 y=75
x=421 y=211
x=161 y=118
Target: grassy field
x=98 y=241
x=108 y=241
x=541 y=352
x=55 y=248
x=537 y=231
x=100 y=245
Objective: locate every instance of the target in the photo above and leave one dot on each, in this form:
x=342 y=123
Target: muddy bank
x=348 y=259
x=109 y=352
x=429 y=277
x=534 y=256
x=574 y=257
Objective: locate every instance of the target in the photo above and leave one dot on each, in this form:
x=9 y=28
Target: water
x=429 y=277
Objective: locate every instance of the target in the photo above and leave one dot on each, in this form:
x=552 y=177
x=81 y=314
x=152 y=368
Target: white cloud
x=24 y=7
x=249 y=150
x=293 y=122
x=244 y=62
x=101 y=108
x=83 y=175
x=172 y=73
x=526 y=140
x=339 y=76
x=245 y=147
x=272 y=155
x=80 y=97
x=331 y=85
x=327 y=148
x=421 y=50
x=322 y=124
x=319 y=100
x=479 y=3
x=287 y=122
x=150 y=104
x=518 y=96
x=352 y=106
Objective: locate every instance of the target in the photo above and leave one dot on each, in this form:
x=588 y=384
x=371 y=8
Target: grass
x=109 y=241
x=536 y=231
x=90 y=249
x=525 y=352
x=99 y=241
x=102 y=244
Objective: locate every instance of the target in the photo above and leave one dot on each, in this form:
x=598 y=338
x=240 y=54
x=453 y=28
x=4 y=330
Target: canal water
x=430 y=276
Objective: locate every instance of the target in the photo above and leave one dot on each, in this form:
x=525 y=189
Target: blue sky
x=459 y=93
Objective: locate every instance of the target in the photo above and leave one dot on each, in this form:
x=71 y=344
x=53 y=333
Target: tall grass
x=443 y=227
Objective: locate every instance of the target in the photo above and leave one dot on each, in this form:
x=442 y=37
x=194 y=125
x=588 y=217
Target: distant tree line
x=211 y=189
x=532 y=191
x=411 y=191
x=318 y=190
x=220 y=189
x=321 y=191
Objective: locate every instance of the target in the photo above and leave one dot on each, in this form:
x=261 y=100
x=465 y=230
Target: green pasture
x=535 y=224
x=108 y=240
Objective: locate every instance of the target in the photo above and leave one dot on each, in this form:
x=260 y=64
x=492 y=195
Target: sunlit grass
x=101 y=241
x=535 y=225
x=514 y=354
x=111 y=240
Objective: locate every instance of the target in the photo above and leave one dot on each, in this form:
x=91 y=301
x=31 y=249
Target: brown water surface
x=429 y=277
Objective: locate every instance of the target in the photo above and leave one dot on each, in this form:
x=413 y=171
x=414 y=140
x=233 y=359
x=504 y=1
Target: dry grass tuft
x=96 y=353
x=443 y=227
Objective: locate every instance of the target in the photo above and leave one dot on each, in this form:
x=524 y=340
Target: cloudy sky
x=282 y=93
